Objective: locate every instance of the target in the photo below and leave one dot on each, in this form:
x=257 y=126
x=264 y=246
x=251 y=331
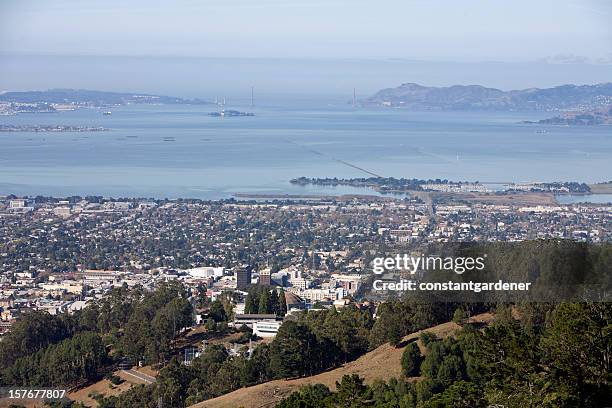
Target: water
x=214 y=158
x=589 y=198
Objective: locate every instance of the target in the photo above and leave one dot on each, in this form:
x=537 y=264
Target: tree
x=222 y=327
x=350 y=391
x=293 y=352
x=310 y=396
x=164 y=328
x=282 y=303
x=460 y=394
x=202 y=300
x=398 y=318
x=264 y=302
x=88 y=318
x=394 y=334
x=443 y=362
x=257 y=368
x=506 y=358
x=451 y=369
x=347 y=329
x=250 y=304
x=274 y=305
x=427 y=338
x=137 y=334
x=578 y=350
x=205 y=368
x=210 y=325
x=459 y=316
x=66 y=363
x=227 y=378
x=411 y=360
x=172 y=383
x=137 y=396
x=217 y=311
x=33 y=331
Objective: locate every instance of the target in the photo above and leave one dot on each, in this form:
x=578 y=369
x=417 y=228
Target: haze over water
x=304 y=58
x=179 y=151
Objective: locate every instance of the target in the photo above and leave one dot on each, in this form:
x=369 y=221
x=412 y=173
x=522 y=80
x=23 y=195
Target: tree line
x=66 y=349
x=560 y=359
x=307 y=344
x=264 y=300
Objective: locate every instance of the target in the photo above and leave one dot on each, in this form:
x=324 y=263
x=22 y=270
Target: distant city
x=59 y=254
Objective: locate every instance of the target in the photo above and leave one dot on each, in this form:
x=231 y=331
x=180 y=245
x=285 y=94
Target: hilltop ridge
x=477 y=97
x=90 y=97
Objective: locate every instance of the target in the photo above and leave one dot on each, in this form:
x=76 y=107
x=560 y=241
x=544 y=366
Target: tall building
x=264 y=277
x=243 y=277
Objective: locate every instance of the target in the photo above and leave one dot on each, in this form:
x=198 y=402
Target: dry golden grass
x=5 y=403
x=103 y=387
x=518 y=198
x=382 y=363
x=601 y=188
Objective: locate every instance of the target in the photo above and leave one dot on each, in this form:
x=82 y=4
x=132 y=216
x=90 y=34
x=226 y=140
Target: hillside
x=106 y=388
x=475 y=97
x=602 y=116
x=89 y=97
x=381 y=363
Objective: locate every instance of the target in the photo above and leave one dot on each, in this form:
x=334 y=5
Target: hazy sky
x=429 y=29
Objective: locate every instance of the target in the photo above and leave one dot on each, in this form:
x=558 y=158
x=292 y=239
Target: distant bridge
x=337 y=160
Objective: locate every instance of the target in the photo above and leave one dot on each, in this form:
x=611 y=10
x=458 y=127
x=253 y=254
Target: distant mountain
x=84 y=97
x=475 y=97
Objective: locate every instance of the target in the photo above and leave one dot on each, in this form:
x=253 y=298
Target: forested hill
x=381 y=364
x=476 y=97
x=93 y=98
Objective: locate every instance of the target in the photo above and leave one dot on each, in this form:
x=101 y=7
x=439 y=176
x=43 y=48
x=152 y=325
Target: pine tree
x=411 y=360
x=282 y=303
x=577 y=349
x=274 y=305
x=293 y=351
x=264 y=302
x=249 y=304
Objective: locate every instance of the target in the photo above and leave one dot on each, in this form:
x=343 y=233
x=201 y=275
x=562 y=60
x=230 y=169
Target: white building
x=69 y=286
x=19 y=203
x=299 y=283
x=266 y=328
x=206 y=272
x=62 y=211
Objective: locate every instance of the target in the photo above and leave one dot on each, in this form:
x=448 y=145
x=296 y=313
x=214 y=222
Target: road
x=427 y=199
x=147 y=379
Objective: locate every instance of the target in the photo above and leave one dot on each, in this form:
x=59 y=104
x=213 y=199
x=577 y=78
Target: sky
x=204 y=48
x=452 y=30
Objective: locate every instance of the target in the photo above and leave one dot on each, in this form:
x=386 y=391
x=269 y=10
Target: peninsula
x=54 y=100
x=476 y=97
x=50 y=128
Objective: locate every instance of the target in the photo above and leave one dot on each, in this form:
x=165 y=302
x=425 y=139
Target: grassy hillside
x=380 y=363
